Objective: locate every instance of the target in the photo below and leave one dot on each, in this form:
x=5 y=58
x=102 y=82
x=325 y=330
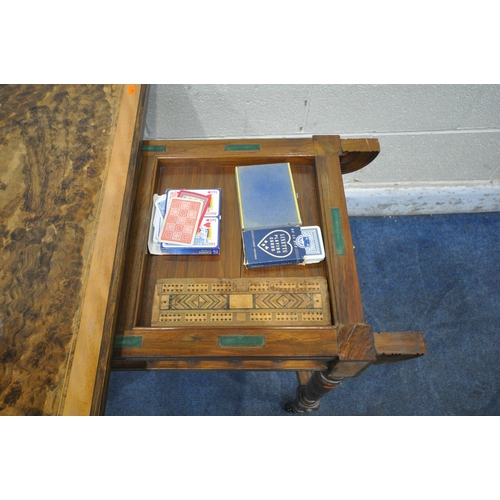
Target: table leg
x=356 y=353
x=309 y=395
x=387 y=347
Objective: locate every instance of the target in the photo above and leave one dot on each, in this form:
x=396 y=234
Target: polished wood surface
x=66 y=152
x=323 y=355
x=78 y=285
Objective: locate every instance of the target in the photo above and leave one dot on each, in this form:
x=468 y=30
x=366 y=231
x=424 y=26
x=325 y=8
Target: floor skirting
x=423 y=198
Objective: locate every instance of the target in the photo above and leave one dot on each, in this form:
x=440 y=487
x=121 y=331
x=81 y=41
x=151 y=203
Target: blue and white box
x=273 y=247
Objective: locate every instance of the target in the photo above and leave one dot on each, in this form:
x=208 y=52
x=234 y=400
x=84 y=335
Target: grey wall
x=431 y=136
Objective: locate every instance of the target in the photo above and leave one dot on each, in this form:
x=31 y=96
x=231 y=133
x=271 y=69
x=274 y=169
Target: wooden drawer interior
x=173 y=174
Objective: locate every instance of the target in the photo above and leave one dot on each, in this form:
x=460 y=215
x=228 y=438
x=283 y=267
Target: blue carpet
x=438 y=274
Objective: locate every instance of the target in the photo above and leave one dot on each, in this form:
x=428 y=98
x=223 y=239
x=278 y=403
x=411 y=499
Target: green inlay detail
x=242 y=147
x=150 y=148
x=122 y=341
x=338 y=235
x=242 y=341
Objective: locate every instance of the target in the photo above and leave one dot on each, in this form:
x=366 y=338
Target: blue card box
x=272 y=247
x=266 y=196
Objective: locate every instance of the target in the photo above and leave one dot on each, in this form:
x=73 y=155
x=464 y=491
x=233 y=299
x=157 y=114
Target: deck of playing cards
x=271 y=224
x=185 y=222
x=312 y=242
x=181 y=222
x=273 y=247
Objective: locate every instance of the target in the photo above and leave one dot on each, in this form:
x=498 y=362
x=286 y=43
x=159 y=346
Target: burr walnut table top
x=65 y=155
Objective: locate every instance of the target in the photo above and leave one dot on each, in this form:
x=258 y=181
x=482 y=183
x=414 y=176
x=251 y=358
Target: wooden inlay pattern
x=250 y=301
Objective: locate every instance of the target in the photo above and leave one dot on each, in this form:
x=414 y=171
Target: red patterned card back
x=181 y=221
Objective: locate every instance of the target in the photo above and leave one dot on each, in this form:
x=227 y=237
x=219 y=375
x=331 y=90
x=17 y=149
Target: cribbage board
x=243 y=301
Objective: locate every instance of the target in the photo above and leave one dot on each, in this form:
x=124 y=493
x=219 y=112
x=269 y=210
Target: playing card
x=190 y=195
x=161 y=204
x=158 y=215
x=181 y=221
x=311 y=240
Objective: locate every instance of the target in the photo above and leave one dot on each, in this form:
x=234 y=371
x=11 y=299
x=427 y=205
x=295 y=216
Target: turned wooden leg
x=356 y=353
x=308 y=395
x=388 y=347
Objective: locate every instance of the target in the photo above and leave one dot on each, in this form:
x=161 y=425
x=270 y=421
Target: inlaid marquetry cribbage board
x=242 y=301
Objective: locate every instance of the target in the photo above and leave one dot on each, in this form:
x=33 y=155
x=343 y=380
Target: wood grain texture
x=219 y=364
x=356 y=343
x=343 y=280
x=356 y=352
x=398 y=346
x=106 y=350
x=88 y=338
x=193 y=343
x=55 y=147
x=354 y=154
x=357 y=153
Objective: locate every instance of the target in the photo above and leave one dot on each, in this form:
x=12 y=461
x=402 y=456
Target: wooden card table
x=208 y=312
